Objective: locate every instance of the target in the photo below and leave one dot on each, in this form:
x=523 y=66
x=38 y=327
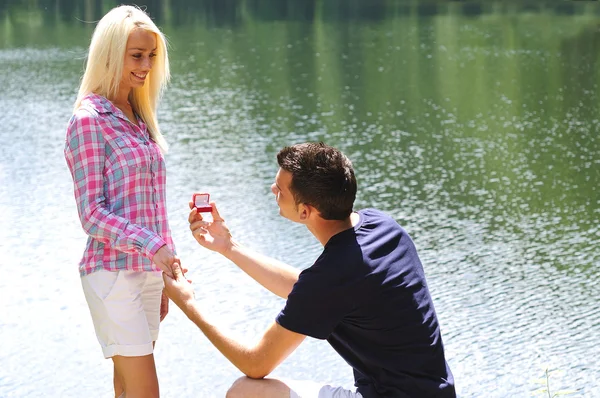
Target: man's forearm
x=274 y=275
x=241 y=356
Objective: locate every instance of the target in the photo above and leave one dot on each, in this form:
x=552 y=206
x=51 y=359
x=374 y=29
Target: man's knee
x=258 y=388
x=238 y=388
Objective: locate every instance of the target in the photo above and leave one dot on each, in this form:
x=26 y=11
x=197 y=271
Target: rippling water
x=478 y=133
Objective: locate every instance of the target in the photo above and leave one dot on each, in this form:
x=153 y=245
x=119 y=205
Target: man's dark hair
x=322 y=177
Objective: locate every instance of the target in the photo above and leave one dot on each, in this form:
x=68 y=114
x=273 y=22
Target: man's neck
x=323 y=230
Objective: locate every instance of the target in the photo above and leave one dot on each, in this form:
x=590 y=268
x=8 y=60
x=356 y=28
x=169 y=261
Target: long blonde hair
x=104 y=65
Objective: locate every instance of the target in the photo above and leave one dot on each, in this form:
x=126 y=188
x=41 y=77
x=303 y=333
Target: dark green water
x=474 y=124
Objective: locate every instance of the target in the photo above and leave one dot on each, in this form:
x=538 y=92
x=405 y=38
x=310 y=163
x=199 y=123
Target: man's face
x=283 y=196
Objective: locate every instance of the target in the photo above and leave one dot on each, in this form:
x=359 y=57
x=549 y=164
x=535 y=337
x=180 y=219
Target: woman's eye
x=137 y=55
x=152 y=55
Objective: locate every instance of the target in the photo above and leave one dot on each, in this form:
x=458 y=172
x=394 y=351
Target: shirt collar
x=102 y=105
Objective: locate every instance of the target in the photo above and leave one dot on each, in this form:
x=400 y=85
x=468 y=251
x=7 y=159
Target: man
x=366 y=293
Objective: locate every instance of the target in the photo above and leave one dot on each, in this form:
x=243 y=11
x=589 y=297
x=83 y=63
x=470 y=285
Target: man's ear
x=304 y=211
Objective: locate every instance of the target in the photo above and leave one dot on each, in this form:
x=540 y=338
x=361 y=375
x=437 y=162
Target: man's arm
x=274 y=275
x=255 y=361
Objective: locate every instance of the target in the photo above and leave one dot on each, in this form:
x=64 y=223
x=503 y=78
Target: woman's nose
x=147 y=63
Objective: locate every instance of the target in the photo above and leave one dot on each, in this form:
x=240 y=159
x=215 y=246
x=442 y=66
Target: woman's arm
x=85 y=156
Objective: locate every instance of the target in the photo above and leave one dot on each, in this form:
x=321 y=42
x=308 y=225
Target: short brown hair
x=322 y=176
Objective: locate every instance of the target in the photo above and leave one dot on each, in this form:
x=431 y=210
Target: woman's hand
x=164 y=259
x=213 y=235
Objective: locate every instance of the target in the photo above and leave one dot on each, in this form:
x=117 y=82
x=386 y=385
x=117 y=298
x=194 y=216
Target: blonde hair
x=104 y=65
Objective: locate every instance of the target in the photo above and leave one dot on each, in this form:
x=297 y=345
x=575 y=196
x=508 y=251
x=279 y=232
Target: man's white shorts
x=125 y=308
x=309 y=389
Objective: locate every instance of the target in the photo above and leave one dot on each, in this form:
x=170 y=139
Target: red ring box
x=202 y=202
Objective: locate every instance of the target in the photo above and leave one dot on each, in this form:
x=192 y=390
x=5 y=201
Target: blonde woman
x=114 y=150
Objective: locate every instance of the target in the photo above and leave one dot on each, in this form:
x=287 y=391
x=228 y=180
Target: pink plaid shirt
x=119 y=181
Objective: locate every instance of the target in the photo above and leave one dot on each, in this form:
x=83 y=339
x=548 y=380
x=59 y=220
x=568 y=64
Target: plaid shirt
x=119 y=181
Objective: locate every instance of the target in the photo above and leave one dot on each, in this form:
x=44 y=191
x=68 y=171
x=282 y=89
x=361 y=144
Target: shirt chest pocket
x=132 y=153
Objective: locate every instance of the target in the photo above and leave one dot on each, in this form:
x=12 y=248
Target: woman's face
x=139 y=58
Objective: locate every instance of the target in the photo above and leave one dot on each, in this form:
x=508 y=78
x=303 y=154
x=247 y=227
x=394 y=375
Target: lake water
x=475 y=125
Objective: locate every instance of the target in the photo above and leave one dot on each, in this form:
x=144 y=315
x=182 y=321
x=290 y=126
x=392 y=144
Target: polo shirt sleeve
x=319 y=301
x=85 y=156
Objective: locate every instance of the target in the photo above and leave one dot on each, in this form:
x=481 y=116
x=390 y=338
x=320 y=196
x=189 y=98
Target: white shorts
x=310 y=389
x=125 y=309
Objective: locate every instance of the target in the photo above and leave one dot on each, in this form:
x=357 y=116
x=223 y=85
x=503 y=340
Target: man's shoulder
x=377 y=227
x=375 y=216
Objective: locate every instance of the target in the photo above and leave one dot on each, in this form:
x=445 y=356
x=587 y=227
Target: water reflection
x=237 y=12
x=474 y=123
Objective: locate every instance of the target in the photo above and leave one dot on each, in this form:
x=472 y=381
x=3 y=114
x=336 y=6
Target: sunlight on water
x=477 y=133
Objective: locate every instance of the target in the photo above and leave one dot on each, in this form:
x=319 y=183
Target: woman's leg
x=117 y=383
x=125 y=308
x=118 y=380
x=137 y=375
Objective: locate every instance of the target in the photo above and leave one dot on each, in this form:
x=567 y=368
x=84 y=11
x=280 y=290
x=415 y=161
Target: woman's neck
x=122 y=99
x=122 y=102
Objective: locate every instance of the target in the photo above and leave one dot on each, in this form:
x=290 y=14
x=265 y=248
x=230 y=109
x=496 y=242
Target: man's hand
x=213 y=235
x=165 y=259
x=164 y=306
x=178 y=288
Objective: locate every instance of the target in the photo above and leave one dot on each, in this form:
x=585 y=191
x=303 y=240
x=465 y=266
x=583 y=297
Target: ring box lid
x=202 y=202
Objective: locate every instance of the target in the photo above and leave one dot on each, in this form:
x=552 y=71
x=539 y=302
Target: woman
x=114 y=150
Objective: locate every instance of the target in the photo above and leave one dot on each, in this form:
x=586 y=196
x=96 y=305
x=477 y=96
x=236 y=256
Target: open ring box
x=202 y=202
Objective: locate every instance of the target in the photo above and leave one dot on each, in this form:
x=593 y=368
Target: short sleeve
x=319 y=301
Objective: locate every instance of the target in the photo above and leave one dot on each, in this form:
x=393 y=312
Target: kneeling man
x=365 y=294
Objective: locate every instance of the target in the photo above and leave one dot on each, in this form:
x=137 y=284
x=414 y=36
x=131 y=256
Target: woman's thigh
x=125 y=309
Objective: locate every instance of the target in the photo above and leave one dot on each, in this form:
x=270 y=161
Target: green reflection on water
x=486 y=110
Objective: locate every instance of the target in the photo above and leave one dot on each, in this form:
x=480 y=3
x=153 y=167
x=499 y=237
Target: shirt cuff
x=152 y=245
